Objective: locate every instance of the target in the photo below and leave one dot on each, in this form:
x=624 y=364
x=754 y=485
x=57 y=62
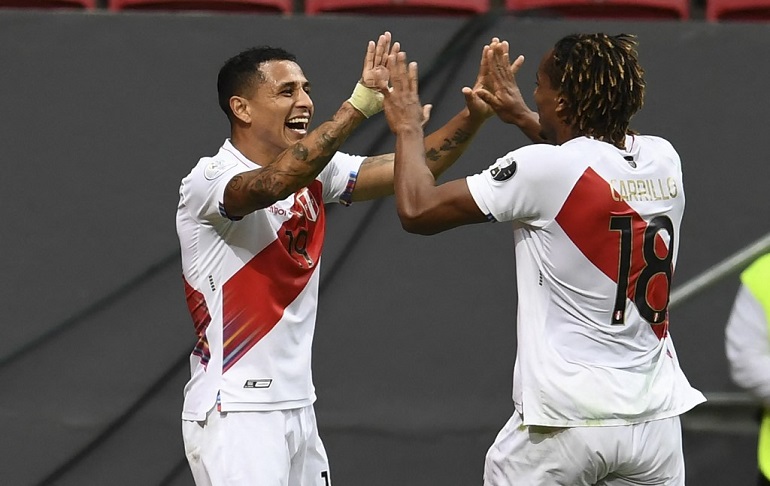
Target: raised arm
x=300 y=163
x=501 y=91
x=442 y=147
x=422 y=206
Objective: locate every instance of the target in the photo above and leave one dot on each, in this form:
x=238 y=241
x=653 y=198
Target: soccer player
x=250 y=222
x=596 y=211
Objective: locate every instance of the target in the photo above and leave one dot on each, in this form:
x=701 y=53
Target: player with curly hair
x=596 y=212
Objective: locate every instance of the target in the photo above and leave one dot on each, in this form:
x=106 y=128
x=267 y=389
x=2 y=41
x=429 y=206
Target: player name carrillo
x=643 y=189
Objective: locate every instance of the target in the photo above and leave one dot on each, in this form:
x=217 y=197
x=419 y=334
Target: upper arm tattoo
x=235 y=182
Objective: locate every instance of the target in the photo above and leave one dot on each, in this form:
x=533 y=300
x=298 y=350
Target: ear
x=240 y=108
x=561 y=108
x=560 y=104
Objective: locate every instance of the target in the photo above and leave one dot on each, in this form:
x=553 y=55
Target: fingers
x=382 y=49
x=413 y=76
x=376 y=54
x=486 y=96
x=426 y=114
x=483 y=65
x=394 y=50
x=398 y=70
x=369 y=58
x=517 y=64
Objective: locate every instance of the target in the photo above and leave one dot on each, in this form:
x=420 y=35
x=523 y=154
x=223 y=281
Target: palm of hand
x=376 y=78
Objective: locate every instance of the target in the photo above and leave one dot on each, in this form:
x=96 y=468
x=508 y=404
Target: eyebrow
x=294 y=84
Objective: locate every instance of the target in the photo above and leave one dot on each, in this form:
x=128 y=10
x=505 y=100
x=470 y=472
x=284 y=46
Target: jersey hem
x=611 y=422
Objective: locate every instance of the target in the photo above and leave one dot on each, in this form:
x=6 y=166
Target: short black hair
x=601 y=81
x=241 y=72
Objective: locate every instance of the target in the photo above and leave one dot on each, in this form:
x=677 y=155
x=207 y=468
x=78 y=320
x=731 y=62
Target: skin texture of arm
x=295 y=168
x=423 y=207
x=442 y=147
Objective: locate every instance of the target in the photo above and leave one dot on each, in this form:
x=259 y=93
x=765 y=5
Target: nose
x=304 y=99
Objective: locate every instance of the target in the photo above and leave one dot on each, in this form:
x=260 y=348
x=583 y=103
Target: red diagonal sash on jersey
x=586 y=218
x=257 y=295
x=199 y=311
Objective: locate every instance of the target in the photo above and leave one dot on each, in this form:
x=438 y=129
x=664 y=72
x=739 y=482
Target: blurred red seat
x=74 y=4
x=604 y=9
x=398 y=7
x=751 y=10
x=264 y=6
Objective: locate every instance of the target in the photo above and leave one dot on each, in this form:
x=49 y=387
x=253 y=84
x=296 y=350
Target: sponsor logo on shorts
x=263 y=383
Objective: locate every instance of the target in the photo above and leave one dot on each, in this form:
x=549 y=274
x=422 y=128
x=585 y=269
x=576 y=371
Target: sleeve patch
x=216 y=168
x=503 y=170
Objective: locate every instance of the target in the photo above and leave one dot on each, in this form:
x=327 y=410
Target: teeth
x=299 y=120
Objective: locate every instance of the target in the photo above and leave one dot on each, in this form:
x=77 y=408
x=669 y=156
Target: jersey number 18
x=635 y=276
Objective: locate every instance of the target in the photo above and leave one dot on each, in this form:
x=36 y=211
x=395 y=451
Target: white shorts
x=646 y=454
x=278 y=448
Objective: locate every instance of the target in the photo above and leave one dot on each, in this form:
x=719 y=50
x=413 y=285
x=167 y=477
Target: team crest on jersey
x=307 y=202
x=216 y=168
x=503 y=170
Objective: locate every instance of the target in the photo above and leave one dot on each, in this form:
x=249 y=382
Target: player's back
x=613 y=245
x=594 y=270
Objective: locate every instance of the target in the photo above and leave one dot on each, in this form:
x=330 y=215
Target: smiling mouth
x=298 y=124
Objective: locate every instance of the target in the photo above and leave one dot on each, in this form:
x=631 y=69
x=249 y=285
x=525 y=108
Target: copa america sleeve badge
x=504 y=170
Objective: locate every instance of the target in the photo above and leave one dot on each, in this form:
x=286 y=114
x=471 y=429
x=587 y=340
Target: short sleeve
x=339 y=177
x=202 y=191
x=520 y=186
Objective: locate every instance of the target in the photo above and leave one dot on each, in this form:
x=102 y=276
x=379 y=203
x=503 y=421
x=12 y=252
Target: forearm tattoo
x=449 y=144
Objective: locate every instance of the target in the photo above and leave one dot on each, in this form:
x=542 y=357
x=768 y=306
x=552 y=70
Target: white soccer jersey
x=252 y=286
x=596 y=231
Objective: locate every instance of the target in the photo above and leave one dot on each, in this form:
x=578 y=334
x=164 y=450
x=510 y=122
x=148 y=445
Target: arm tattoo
x=299 y=151
x=326 y=141
x=449 y=144
x=235 y=182
x=433 y=154
x=461 y=137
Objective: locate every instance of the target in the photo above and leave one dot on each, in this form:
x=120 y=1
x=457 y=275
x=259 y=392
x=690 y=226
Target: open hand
x=402 y=103
x=498 y=87
x=477 y=106
x=375 y=74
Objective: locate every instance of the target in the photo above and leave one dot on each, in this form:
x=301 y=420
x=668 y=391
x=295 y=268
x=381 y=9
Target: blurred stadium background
x=104 y=108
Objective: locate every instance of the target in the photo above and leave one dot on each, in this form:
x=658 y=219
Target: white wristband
x=366 y=100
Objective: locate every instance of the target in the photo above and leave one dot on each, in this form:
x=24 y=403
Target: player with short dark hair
x=596 y=213
x=238 y=74
x=251 y=225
